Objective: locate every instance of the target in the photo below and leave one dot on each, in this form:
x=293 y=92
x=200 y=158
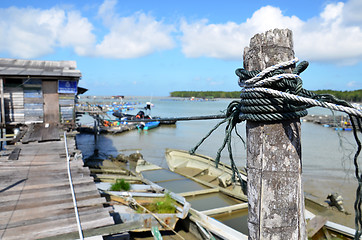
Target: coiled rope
x=274 y=95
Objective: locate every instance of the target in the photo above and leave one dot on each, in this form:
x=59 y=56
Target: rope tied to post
x=258 y=105
x=274 y=95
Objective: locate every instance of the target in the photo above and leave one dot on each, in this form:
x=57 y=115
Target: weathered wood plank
x=55 y=227
x=14 y=155
x=227 y=209
x=41 y=211
x=315 y=224
x=27 y=134
x=35 y=194
x=67 y=213
x=199 y=192
x=107 y=230
x=48 y=199
x=82 y=183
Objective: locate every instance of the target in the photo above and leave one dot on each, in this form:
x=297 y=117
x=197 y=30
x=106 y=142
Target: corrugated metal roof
x=20 y=67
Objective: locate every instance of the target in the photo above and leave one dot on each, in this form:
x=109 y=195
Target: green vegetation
x=206 y=94
x=120 y=184
x=350 y=96
x=161 y=205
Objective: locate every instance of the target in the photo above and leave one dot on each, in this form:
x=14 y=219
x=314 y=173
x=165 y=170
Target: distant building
x=34 y=91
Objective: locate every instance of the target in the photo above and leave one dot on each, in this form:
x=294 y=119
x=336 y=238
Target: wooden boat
x=319 y=227
x=198 y=223
x=202 y=168
x=193 y=223
x=125 y=117
x=148 y=125
x=133 y=205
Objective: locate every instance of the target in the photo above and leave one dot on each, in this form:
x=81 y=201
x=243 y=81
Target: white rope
x=313 y=102
x=270 y=69
x=273 y=79
x=254 y=85
x=72 y=190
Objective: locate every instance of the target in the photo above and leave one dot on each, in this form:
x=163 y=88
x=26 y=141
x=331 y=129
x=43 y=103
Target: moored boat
x=148 y=125
x=191 y=224
x=135 y=204
x=140 y=115
x=203 y=168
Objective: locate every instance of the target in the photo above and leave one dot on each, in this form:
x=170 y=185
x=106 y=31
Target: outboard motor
x=140 y=114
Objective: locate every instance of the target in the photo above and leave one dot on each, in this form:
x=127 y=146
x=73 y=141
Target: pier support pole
x=3 y=126
x=275 y=193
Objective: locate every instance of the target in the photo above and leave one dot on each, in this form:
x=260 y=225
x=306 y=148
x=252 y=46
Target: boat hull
x=148 y=125
x=200 y=165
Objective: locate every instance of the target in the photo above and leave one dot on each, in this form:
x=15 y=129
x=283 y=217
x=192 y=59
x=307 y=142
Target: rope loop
x=260 y=106
x=275 y=95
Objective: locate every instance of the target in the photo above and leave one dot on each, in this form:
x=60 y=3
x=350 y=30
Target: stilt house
x=34 y=91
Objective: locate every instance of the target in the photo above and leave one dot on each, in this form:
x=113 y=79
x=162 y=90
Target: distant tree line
x=350 y=96
x=205 y=94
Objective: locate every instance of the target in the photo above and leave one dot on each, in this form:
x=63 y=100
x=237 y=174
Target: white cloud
x=77 y=33
x=107 y=12
x=332 y=13
x=212 y=40
x=352 y=13
x=329 y=38
x=227 y=41
x=133 y=36
x=31 y=33
x=353 y=84
x=334 y=36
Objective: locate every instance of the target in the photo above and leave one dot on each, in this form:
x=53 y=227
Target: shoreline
x=319 y=188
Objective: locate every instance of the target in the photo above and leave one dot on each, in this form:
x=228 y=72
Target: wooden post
x=275 y=194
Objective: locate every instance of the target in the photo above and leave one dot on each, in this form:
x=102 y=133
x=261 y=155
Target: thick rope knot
x=273 y=94
x=259 y=105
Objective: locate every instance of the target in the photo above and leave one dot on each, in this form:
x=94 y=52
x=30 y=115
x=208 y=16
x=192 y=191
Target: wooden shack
x=35 y=91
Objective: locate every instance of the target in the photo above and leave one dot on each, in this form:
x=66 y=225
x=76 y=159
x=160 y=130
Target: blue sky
x=151 y=48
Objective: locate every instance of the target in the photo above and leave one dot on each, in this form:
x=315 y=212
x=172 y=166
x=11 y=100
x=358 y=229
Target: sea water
x=324 y=150
x=326 y=154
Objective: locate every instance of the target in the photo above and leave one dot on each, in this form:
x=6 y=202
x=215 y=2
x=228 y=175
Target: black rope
x=356 y=123
x=232 y=119
x=263 y=107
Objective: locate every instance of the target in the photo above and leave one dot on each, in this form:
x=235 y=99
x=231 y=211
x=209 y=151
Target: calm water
x=324 y=150
x=326 y=153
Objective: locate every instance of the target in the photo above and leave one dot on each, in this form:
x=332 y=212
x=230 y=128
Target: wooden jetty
x=35 y=195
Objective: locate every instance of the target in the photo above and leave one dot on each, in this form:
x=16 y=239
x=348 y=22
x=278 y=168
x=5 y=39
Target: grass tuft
x=119 y=185
x=162 y=205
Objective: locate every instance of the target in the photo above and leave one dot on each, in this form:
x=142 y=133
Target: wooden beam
x=240 y=196
x=199 y=192
x=275 y=195
x=315 y=224
x=227 y=209
x=5 y=139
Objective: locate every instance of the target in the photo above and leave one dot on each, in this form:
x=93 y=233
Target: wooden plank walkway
x=35 y=196
x=41 y=132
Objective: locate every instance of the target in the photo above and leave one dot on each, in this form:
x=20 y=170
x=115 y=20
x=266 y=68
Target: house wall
x=51 y=101
x=14 y=104
x=66 y=104
x=33 y=101
x=37 y=101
